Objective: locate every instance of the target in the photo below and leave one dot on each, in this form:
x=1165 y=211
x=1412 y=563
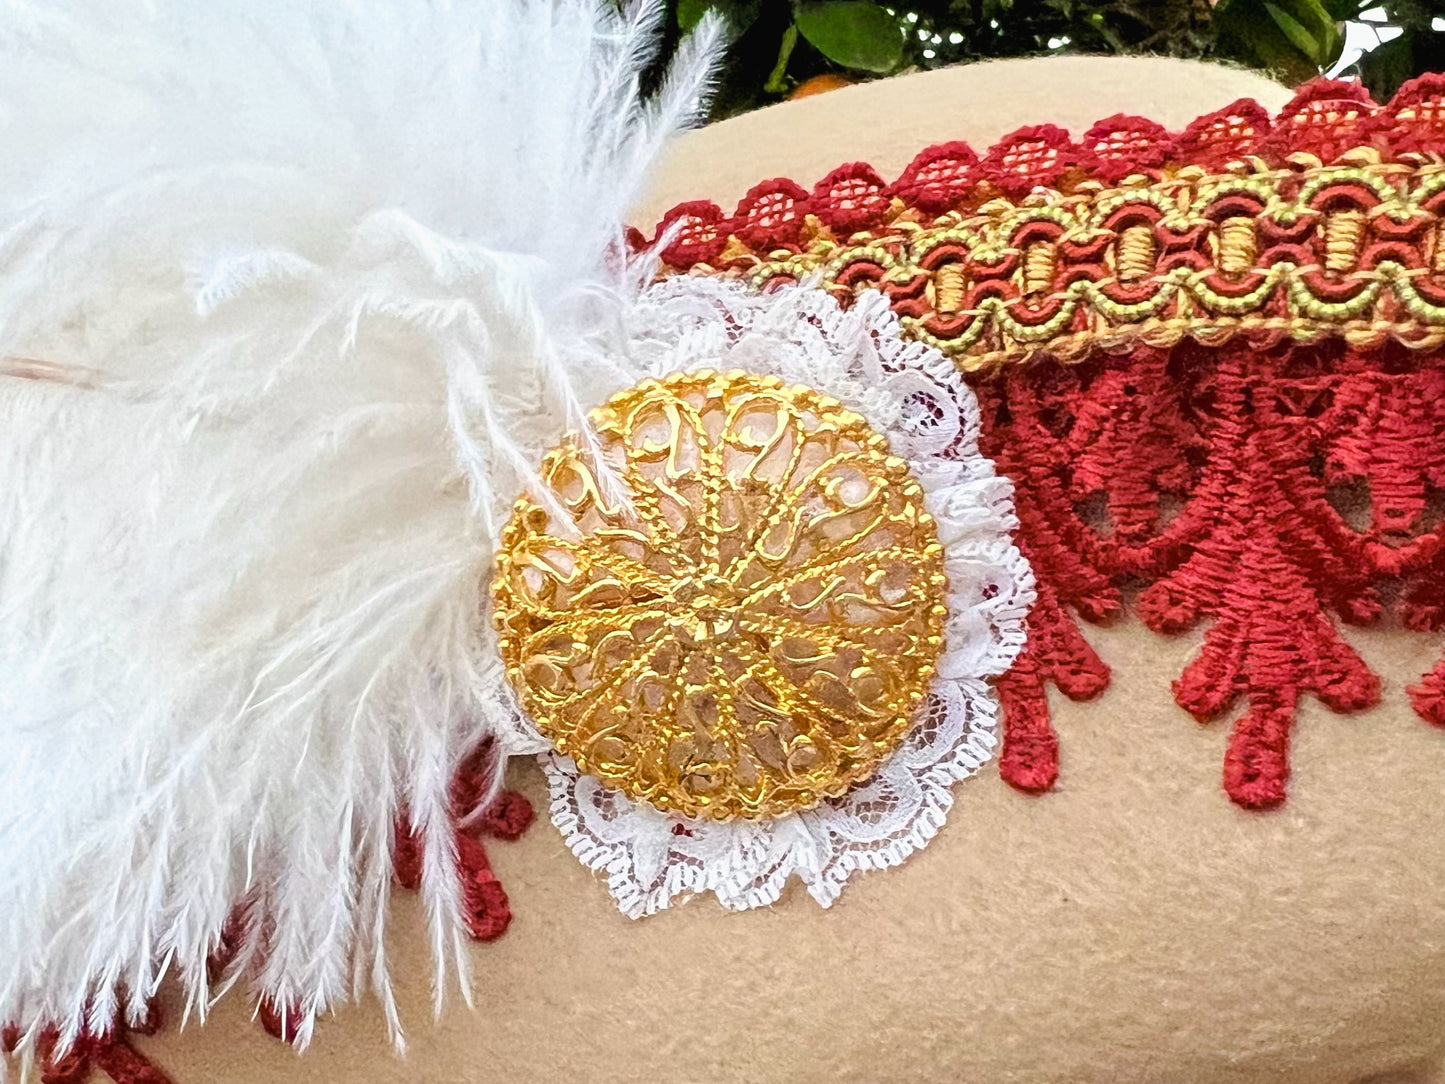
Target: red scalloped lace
x=1325 y=119
x=1217 y=482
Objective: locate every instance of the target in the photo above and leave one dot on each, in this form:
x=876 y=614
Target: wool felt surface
x=1132 y=925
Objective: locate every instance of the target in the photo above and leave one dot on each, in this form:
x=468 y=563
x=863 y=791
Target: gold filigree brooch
x=728 y=600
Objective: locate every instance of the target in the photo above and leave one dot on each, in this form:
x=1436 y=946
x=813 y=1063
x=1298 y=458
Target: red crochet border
x=1208 y=479
x=1325 y=119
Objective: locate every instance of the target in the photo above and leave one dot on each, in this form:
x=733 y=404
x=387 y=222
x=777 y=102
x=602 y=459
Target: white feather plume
x=308 y=285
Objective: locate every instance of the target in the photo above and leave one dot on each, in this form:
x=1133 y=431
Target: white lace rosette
x=915 y=397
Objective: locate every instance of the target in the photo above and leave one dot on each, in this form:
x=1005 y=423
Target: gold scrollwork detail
x=729 y=600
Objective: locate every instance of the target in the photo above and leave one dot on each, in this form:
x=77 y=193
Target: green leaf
x=853 y=33
x=778 y=81
x=690 y=13
x=1298 y=36
x=1341 y=10
x=1101 y=26
x=1309 y=29
x=739 y=14
x=1295 y=38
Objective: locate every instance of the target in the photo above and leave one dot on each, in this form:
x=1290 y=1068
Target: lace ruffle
x=915 y=397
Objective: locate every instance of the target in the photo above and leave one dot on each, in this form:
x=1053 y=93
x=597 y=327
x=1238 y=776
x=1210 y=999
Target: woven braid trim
x=1328 y=220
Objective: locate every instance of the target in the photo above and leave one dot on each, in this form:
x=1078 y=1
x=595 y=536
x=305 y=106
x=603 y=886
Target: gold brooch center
x=729 y=599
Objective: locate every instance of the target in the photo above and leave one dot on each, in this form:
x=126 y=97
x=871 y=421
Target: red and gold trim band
x=1250 y=432
x=1326 y=222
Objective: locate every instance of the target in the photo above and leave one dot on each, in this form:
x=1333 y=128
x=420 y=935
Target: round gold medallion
x=728 y=603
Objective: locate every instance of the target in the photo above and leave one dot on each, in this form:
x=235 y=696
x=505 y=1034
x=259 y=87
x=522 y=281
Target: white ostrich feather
x=292 y=294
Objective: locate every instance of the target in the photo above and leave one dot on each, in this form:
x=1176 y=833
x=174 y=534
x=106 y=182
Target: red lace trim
x=110 y=1053
x=1268 y=483
x=507 y=816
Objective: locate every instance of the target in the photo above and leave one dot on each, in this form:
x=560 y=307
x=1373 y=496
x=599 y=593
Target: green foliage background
x=779 y=44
